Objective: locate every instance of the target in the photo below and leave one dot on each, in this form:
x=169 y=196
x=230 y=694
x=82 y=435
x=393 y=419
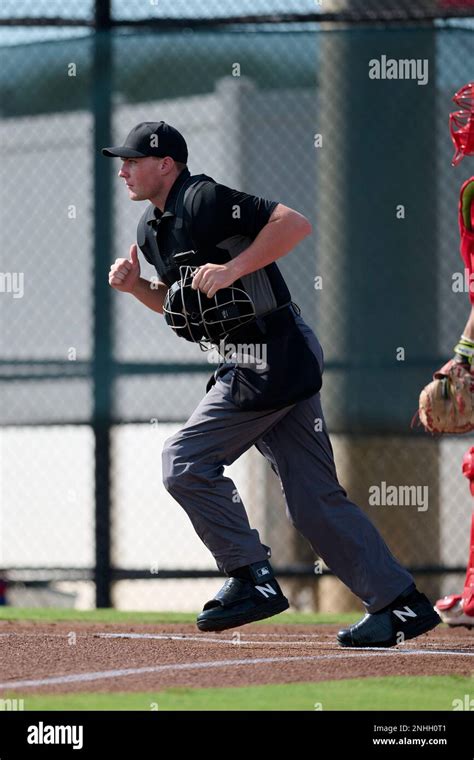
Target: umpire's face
x=145 y=177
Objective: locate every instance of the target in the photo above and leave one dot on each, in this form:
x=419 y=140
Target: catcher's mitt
x=447 y=403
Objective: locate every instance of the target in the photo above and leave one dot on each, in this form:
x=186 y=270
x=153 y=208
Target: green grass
x=391 y=693
x=54 y=614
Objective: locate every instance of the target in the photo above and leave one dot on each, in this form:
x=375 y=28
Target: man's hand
x=213 y=277
x=124 y=273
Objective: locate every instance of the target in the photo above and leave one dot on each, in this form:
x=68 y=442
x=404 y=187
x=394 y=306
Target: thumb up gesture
x=125 y=273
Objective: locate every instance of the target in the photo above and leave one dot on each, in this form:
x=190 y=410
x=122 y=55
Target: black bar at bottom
x=376 y=734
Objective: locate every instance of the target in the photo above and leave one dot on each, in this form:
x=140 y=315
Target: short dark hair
x=179 y=164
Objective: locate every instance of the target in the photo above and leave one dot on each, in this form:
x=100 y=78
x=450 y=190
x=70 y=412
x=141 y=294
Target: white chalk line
x=311 y=640
x=239 y=641
x=108 y=674
x=239 y=638
x=208 y=639
x=176 y=667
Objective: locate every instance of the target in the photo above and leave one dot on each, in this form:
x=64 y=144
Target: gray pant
x=218 y=432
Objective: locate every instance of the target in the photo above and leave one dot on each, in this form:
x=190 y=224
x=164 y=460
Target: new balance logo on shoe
x=266 y=590
x=404 y=614
x=380 y=629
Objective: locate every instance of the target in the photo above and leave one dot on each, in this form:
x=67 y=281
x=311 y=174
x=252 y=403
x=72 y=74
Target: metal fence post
x=102 y=358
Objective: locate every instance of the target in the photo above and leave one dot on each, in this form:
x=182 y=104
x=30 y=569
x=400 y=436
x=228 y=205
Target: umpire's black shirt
x=222 y=223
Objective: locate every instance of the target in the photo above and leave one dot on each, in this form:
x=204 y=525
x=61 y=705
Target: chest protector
x=179 y=232
x=466 y=229
x=289 y=371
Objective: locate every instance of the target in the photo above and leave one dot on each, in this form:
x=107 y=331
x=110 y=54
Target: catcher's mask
x=461 y=123
x=195 y=317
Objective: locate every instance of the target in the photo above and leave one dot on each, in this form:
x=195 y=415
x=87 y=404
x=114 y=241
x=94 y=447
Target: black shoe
x=241 y=601
x=408 y=616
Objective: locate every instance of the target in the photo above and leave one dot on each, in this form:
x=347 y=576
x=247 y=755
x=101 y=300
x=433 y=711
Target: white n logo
x=266 y=590
x=404 y=614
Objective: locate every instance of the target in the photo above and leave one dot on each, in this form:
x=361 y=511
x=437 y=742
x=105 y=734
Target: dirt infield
x=74 y=657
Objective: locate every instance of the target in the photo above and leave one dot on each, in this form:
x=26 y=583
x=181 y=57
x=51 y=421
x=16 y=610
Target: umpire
x=234 y=239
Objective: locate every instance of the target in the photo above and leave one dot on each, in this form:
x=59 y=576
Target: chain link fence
x=280 y=105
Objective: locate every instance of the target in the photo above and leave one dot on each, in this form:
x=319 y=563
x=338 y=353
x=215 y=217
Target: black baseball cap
x=151 y=138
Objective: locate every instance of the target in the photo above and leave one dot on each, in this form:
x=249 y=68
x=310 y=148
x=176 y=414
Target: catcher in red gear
x=447 y=403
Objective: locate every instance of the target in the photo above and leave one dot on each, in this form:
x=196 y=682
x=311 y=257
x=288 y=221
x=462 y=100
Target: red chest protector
x=466 y=230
